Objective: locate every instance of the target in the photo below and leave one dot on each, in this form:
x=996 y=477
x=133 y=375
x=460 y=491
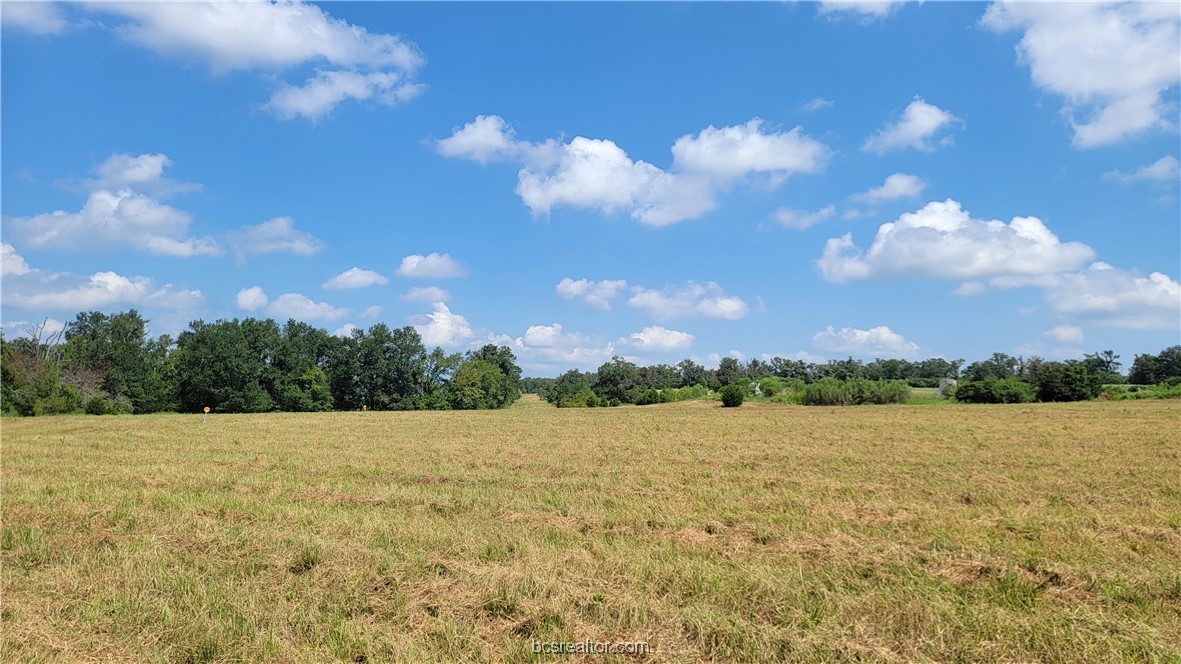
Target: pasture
x=770 y=532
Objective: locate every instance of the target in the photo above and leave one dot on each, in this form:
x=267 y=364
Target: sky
x=583 y=180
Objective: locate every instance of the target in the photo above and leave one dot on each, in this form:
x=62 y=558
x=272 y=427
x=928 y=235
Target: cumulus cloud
x=275 y=235
x=11 y=262
x=692 y=299
x=39 y=18
x=919 y=124
x=1118 y=298
x=327 y=89
x=896 y=186
x=300 y=307
x=275 y=36
x=1065 y=334
x=143 y=173
x=942 y=240
x=1112 y=63
x=597 y=294
x=371 y=312
x=345 y=331
x=598 y=174
x=426 y=294
x=546 y=348
x=878 y=341
x=37 y=290
x=656 y=338
x=355 y=277
x=1165 y=170
x=543 y=336
x=801 y=219
x=118 y=214
x=251 y=299
x=288 y=305
x=433 y=266
x=441 y=327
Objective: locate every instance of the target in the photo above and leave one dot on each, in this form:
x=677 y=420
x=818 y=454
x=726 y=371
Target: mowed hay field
x=1047 y=532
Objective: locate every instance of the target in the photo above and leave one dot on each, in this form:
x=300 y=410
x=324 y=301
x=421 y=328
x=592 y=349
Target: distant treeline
x=852 y=381
x=106 y=364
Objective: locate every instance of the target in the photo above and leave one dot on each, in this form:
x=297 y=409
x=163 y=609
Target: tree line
x=107 y=364
x=620 y=381
x=102 y=363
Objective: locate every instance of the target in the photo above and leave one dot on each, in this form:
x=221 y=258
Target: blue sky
x=582 y=180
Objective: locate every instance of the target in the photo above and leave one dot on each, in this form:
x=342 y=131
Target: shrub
x=994 y=390
x=855 y=391
x=769 y=387
x=732 y=395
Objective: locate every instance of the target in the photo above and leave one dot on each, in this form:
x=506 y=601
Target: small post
x=205 y=416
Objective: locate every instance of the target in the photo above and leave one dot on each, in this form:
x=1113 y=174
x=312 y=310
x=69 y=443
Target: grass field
x=1042 y=532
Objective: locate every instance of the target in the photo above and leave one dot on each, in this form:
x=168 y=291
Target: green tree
x=477 y=384
x=618 y=380
x=502 y=357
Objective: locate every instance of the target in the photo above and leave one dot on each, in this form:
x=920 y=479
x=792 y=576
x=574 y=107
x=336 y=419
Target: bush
x=994 y=390
x=855 y=391
x=732 y=395
x=769 y=387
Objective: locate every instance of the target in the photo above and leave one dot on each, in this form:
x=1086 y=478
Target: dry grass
x=763 y=533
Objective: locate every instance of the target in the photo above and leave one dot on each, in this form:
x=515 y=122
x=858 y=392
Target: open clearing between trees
x=1039 y=532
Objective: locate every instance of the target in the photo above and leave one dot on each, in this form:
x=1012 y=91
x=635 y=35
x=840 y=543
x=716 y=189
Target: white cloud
x=251 y=299
x=288 y=305
x=692 y=299
x=597 y=294
x=274 y=36
x=801 y=219
x=599 y=175
x=355 y=277
x=733 y=152
x=274 y=235
x=371 y=312
x=657 y=338
x=442 y=327
x=39 y=290
x=487 y=138
x=433 y=265
x=143 y=173
x=970 y=288
x=48 y=327
x=1166 y=169
x=327 y=89
x=878 y=341
x=915 y=129
x=39 y=18
x=941 y=240
x=819 y=103
x=1065 y=334
x=117 y=214
x=300 y=307
x=544 y=336
x=1117 y=298
x=897 y=185
x=1111 y=63
x=345 y=330
x=865 y=8
x=548 y=348
x=426 y=294
x=11 y=262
